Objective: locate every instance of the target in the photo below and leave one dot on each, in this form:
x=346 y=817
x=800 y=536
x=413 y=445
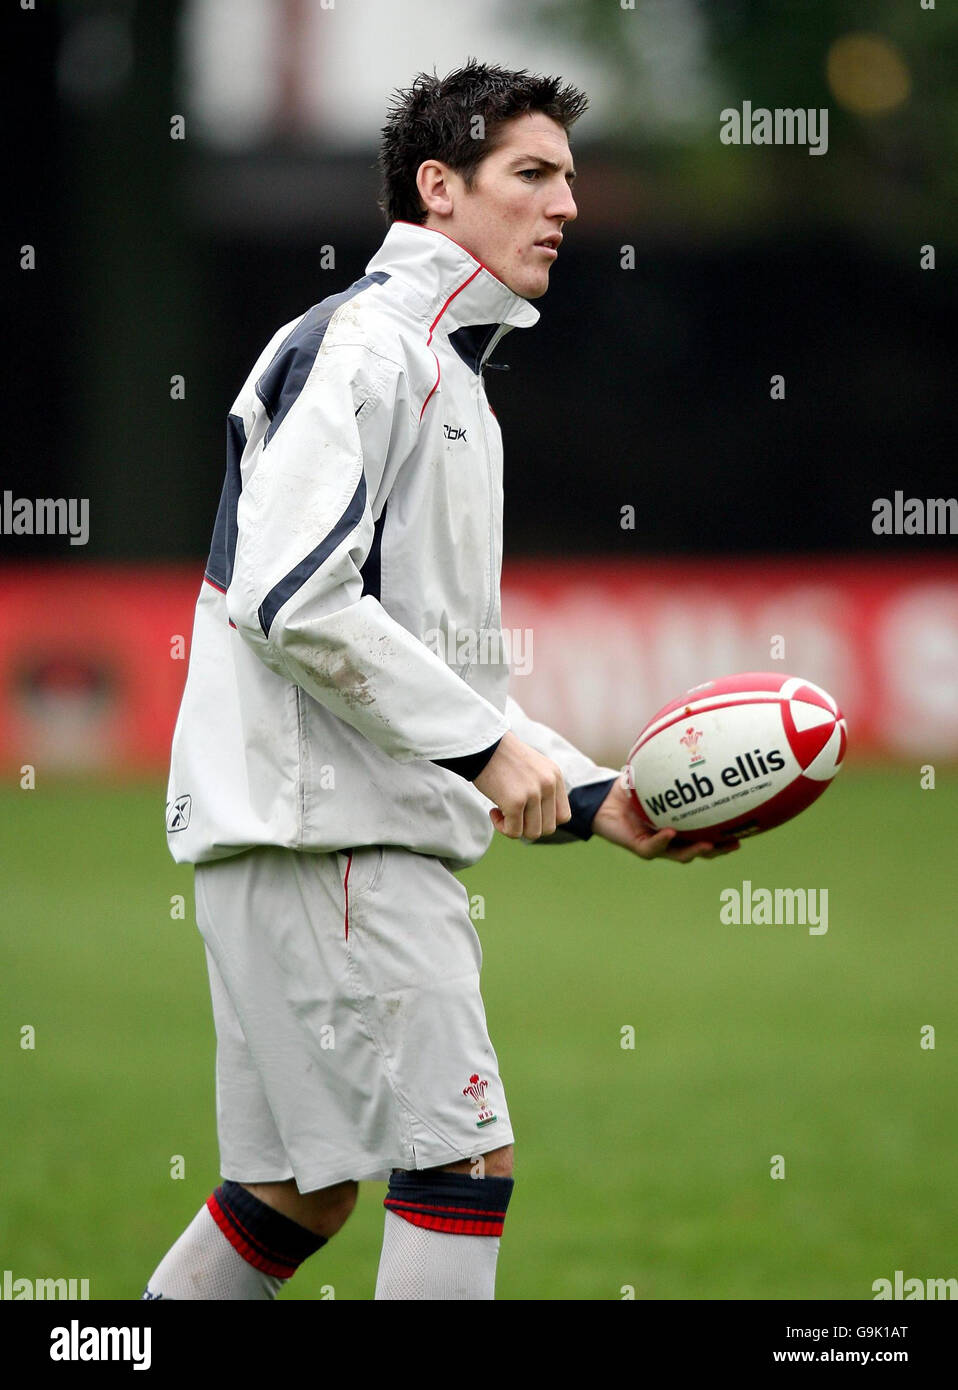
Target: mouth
x=550 y=245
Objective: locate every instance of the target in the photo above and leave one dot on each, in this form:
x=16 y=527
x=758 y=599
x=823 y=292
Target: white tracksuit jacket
x=361 y=516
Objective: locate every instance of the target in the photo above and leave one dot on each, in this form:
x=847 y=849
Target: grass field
x=647 y=1167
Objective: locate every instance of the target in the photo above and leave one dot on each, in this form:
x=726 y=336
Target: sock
x=236 y=1247
x=441 y=1237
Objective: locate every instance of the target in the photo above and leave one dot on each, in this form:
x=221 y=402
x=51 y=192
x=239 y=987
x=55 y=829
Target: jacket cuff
x=470 y=766
x=583 y=803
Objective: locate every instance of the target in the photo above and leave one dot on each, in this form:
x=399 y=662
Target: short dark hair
x=434 y=119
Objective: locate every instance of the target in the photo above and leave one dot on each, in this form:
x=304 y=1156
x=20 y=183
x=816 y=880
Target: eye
x=534 y=172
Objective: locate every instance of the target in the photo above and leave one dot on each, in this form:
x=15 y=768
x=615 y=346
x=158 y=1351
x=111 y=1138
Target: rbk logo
x=454 y=431
x=178 y=813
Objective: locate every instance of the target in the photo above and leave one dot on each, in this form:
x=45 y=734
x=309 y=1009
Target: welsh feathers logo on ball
x=773 y=742
x=691 y=739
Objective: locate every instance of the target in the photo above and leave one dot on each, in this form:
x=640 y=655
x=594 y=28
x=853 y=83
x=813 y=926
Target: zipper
x=500 y=333
x=490 y=485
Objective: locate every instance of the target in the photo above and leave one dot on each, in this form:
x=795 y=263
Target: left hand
x=617 y=820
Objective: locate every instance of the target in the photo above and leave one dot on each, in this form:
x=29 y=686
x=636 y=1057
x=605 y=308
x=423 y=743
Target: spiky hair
x=435 y=119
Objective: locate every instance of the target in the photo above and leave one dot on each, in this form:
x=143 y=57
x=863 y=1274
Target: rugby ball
x=736 y=756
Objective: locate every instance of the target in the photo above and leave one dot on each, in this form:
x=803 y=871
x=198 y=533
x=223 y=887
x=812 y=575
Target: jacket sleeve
x=305 y=528
x=587 y=783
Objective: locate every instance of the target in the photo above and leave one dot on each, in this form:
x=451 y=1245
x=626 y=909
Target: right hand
x=527 y=788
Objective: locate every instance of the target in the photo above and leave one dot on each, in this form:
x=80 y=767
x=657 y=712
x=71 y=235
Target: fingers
x=726 y=847
x=653 y=846
x=536 y=808
x=533 y=814
x=526 y=789
x=513 y=820
x=703 y=849
x=657 y=846
x=544 y=815
x=684 y=854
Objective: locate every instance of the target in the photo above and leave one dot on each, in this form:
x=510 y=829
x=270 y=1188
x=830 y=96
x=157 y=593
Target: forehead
x=533 y=133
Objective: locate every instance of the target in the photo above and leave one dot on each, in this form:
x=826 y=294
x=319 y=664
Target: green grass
x=646 y=1167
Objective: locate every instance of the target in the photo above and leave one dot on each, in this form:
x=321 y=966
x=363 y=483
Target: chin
x=532 y=289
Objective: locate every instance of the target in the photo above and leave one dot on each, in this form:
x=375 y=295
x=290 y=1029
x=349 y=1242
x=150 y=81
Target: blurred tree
x=673 y=65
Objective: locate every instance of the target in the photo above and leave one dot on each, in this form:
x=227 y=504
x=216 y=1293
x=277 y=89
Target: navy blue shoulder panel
x=277 y=388
x=219 y=566
x=298 y=576
x=284 y=378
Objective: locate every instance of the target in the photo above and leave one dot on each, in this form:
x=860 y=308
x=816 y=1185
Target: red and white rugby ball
x=736 y=756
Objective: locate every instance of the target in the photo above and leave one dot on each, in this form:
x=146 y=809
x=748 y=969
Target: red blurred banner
x=93 y=658
x=615 y=642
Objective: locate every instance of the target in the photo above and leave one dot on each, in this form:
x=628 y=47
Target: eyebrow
x=543 y=163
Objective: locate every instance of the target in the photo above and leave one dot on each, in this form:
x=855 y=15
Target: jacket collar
x=453 y=289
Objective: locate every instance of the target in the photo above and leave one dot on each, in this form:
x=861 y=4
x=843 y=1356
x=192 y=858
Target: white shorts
x=351 y=1035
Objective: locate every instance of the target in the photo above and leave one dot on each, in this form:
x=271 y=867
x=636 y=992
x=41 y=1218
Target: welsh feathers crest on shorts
x=476 y=1091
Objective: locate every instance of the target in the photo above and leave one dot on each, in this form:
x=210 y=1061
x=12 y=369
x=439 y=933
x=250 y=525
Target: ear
x=433 y=181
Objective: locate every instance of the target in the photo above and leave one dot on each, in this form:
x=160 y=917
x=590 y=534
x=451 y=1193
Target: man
x=330 y=769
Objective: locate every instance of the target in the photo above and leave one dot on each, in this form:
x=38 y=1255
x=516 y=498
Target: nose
x=564 y=205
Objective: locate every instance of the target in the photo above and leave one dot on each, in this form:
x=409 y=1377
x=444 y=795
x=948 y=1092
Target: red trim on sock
x=242 y=1247
x=489 y=1224
x=429 y=1206
x=454 y=1226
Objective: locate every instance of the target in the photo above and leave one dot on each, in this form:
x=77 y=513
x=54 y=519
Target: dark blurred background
x=651 y=386
x=696 y=272
x=753 y=550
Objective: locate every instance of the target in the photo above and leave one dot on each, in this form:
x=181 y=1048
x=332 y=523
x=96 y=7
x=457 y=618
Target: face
x=512 y=217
